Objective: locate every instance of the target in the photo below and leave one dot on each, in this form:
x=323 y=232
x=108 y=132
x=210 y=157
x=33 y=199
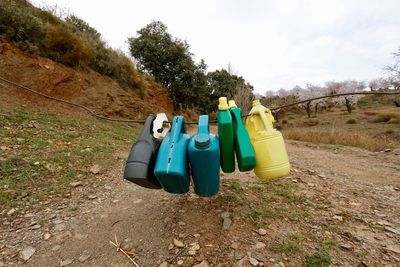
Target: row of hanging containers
x=167 y=158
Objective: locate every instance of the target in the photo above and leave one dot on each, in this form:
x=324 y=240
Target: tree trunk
x=275 y=114
x=316 y=108
x=397 y=104
x=307 y=107
x=348 y=105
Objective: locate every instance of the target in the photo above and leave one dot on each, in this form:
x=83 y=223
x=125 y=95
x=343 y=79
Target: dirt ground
x=351 y=197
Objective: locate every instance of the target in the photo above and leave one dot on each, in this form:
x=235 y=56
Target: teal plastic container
x=171 y=167
x=245 y=155
x=226 y=138
x=204 y=160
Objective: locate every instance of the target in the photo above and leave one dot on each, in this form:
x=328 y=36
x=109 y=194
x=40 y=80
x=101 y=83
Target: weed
x=257 y=215
x=311 y=122
x=285 y=247
x=318 y=259
x=386 y=117
x=351 y=121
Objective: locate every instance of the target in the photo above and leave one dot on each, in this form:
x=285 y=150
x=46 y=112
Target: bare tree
x=243 y=97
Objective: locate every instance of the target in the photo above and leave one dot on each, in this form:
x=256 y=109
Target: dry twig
x=118 y=246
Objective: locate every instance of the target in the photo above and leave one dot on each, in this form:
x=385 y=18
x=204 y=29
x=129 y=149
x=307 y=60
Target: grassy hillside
x=70 y=41
x=41 y=153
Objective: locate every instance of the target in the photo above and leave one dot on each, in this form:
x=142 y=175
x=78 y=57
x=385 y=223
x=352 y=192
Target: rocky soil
x=339 y=206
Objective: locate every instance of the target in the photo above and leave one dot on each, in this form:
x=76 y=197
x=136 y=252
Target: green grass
x=44 y=152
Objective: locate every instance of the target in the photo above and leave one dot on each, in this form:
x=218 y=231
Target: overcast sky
x=272 y=44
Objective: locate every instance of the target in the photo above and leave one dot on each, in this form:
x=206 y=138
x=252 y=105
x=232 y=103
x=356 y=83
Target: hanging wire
x=91 y=112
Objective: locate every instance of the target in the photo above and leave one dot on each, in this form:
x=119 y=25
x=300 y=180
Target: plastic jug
x=271 y=157
x=139 y=167
x=204 y=159
x=225 y=134
x=244 y=150
x=171 y=167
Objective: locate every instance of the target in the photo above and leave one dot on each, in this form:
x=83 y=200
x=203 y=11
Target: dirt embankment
x=84 y=86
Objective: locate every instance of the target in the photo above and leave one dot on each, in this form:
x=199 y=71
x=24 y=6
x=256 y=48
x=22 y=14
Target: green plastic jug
x=244 y=150
x=225 y=134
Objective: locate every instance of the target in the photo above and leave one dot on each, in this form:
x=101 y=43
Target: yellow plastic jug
x=271 y=157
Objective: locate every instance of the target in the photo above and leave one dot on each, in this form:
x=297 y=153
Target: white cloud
x=273 y=44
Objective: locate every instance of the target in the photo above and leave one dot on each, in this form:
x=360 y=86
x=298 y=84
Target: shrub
x=18 y=25
x=63 y=46
x=311 y=122
x=351 y=121
x=386 y=117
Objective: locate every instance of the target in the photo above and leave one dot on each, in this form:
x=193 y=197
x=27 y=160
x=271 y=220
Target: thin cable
x=334 y=95
x=91 y=112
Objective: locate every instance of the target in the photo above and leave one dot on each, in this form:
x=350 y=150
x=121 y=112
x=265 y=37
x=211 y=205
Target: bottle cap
x=202 y=141
x=256 y=102
x=223 y=103
x=232 y=103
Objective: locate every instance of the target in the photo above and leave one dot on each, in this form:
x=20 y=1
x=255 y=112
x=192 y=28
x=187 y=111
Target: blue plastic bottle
x=171 y=167
x=204 y=159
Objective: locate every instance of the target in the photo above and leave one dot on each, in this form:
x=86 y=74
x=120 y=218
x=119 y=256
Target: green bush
x=351 y=121
x=19 y=26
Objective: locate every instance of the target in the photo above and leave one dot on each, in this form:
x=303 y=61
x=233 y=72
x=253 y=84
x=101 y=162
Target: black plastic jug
x=139 y=167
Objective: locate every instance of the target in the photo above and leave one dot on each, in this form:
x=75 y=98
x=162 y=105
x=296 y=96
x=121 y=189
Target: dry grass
x=336 y=137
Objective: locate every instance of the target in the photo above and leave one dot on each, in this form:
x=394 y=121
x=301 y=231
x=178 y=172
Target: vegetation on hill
x=70 y=41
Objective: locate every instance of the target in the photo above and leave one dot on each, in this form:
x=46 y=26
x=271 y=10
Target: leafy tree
x=169 y=60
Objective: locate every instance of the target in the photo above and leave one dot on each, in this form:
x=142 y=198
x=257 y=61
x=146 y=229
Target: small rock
x=259 y=245
x=171 y=246
x=65 y=262
x=235 y=245
x=225 y=215
x=195 y=247
x=387 y=150
x=192 y=252
x=393 y=248
x=46 y=236
x=178 y=243
x=253 y=261
x=196 y=235
x=179 y=262
x=95 y=169
x=92 y=197
x=338 y=218
x=181 y=223
x=80 y=236
x=164 y=264
x=107 y=187
x=59 y=227
x=346 y=246
x=84 y=257
x=36 y=226
x=199 y=258
x=36 y=163
x=11 y=212
x=262 y=231
x=226 y=224
x=202 y=264
x=392 y=230
x=238 y=255
x=56 y=247
x=57 y=221
x=76 y=184
x=63 y=236
x=27 y=253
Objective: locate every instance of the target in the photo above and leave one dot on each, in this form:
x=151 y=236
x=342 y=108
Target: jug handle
x=265 y=120
x=177 y=128
x=203 y=127
x=237 y=118
x=148 y=127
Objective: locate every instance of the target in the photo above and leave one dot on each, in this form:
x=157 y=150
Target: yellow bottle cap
x=256 y=102
x=232 y=103
x=223 y=103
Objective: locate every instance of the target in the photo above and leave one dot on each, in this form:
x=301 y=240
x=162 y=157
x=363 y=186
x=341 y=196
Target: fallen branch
x=176 y=255
x=118 y=246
